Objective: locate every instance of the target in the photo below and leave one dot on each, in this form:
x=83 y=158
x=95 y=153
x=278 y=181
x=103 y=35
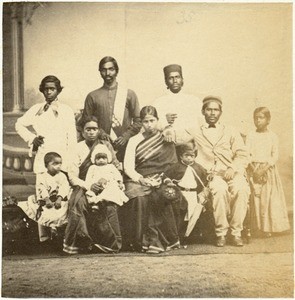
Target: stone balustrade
x=17 y=164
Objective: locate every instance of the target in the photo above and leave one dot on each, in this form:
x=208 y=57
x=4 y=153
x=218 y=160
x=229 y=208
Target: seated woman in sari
x=152 y=225
x=89 y=230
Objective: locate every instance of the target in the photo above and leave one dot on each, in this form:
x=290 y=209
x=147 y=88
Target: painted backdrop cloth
x=87 y=228
x=268 y=210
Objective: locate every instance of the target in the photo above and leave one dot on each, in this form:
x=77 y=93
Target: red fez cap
x=212 y=99
x=172 y=68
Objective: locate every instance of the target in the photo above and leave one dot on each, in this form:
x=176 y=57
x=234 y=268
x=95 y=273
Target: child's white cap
x=100 y=148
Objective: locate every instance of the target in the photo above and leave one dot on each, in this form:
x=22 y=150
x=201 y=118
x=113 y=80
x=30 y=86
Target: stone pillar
x=13 y=74
x=17 y=52
x=17 y=165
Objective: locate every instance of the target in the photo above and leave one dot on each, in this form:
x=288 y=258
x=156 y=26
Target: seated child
x=105 y=178
x=49 y=206
x=191 y=178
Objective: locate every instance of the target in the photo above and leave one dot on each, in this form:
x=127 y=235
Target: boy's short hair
x=50 y=78
x=49 y=156
x=186 y=147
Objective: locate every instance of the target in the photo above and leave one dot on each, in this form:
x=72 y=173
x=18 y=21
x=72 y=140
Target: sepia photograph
x=147 y=149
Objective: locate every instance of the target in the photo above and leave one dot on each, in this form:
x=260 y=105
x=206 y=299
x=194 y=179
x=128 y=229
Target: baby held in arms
x=104 y=179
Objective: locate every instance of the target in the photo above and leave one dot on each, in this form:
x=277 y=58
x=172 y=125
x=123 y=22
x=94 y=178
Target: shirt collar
x=176 y=94
x=217 y=125
x=54 y=103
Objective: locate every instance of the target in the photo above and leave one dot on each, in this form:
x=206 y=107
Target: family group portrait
x=147 y=150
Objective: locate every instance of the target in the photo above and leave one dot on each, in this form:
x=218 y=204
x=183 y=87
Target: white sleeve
x=129 y=159
x=73 y=171
x=248 y=144
x=90 y=177
x=116 y=173
x=274 y=150
x=41 y=189
x=25 y=121
x=161 y=110
x=64 y=187
x=72 y=133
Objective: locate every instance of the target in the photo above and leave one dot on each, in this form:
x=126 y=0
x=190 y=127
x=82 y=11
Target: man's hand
x=41 y=202
x=169 y=134
x=171 y=118
x=37 y=142
x=120 y=141
x=104 y=136
x=229 y=174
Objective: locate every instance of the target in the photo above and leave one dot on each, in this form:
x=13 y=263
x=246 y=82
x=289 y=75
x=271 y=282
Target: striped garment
x=154 y=155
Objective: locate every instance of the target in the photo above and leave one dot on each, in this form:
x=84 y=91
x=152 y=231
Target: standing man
x=53 y=125
x=178 y=112
x=115 y=107
x=222 y=152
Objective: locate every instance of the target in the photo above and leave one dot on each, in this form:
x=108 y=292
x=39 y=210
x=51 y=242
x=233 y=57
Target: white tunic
x=188 y=109
x=59 y=132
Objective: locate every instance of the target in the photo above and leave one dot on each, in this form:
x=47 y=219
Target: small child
x=268 y=206
x=49 y=206
x=104 y=179
x=191 y=178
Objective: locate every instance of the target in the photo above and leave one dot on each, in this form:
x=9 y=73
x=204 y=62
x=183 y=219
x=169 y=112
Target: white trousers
x=230 y=200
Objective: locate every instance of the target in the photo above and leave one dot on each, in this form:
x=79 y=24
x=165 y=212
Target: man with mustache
x=116 y=108
x=222 y=152
x=177 y=111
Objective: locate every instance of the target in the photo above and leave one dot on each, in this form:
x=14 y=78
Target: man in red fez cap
x=177 y=111
x=223 y=154
x=173 y=77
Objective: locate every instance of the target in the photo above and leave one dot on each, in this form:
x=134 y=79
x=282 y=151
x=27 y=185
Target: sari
x=89 y=229
x=151 y=221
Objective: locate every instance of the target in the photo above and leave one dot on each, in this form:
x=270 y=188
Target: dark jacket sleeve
x=134 y=112
x=87 y=111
